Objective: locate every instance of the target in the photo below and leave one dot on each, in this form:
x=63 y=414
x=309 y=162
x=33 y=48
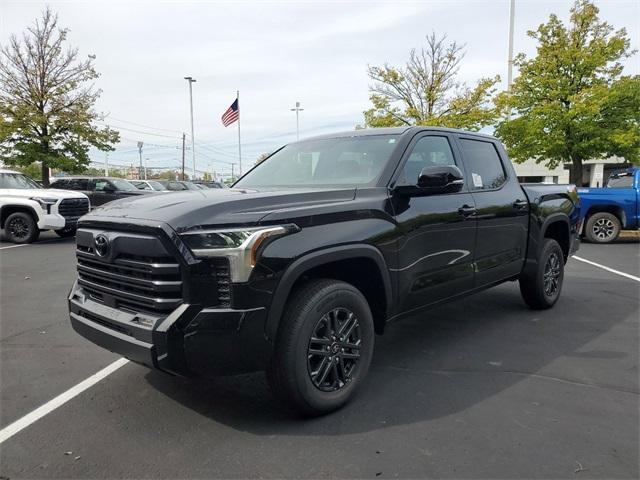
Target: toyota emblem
x=102 y=245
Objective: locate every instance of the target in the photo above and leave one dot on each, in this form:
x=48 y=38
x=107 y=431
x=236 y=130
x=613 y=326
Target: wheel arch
x=557 y=227
x=7 y=210
x=612 y=209
x=339 y=263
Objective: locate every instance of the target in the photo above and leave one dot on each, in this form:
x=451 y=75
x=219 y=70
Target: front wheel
x=541 y=289
x=21 y=227
x=66 y=232
x=323 y=348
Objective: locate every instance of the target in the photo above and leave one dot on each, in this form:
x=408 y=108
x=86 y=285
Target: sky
x=275 y=53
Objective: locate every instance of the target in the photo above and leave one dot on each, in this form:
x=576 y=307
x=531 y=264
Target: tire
x=21 y=227
x=66 y=232
x=541 y=289
x=298 y=364
x=602 y=227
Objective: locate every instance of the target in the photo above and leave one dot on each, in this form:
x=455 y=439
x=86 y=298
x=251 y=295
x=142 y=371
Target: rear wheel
x=602 y=227
x=66 y=232
x=21 y=227
x=541 y=289
x=324 y=347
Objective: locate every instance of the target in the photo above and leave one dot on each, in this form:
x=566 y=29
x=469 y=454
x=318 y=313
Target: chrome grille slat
x=160 y=303
x=151 y=285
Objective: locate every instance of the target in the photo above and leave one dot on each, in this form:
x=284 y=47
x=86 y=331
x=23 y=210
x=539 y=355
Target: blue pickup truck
x=607 y=211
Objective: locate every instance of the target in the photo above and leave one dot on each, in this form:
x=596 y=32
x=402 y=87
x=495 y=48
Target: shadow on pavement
x=435 y=364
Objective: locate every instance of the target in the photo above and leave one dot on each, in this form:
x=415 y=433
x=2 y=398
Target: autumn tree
x=427 y=91
x=47 y=98
x=571 y=102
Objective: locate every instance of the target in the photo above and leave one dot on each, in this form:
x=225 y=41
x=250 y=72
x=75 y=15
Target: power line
x=144 y=126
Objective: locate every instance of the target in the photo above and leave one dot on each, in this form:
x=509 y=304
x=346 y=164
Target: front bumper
x=51 y=221
x=190 y=341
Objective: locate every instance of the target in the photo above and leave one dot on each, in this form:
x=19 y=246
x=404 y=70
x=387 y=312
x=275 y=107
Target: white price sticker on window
x=477 y=180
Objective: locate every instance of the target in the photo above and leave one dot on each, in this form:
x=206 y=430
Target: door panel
x=435 y=255
x=502 y=211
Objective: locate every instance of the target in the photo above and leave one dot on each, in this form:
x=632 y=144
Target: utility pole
x=140 y=153
x=106 y=164
x=232 y=174
x=297 y=110
x=193 y=140
x=145 y=167
x=183 y=138
x=512 y=13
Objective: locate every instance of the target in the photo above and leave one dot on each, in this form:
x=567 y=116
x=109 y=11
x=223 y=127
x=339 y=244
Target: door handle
x=467 y=211
x=520 y=204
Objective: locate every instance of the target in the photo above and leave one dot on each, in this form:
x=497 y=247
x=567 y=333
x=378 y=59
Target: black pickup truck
x=297 y=267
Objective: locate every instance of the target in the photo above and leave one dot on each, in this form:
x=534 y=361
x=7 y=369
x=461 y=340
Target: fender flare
x=553 y=218
x=315 y=259
x=18 y=206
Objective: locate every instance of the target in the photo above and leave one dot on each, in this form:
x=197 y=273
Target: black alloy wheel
x=20 y=227
x=552 y=275
x=334 y=349
x=541 y=285
x=323 y=348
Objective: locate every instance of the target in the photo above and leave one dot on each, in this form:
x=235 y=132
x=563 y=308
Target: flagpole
x=239 y=142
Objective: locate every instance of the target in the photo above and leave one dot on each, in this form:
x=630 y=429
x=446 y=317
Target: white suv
x=26 y=208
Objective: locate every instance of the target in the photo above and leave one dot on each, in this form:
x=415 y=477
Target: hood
x=41 y=192
x=209 y=208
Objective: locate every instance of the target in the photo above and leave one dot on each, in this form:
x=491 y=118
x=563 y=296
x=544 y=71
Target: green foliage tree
x=47 y=97
x=570 y=102
x=33 y=170
x=427 y=91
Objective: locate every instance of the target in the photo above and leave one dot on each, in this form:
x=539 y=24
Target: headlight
x=240 y=246
x=45 y=200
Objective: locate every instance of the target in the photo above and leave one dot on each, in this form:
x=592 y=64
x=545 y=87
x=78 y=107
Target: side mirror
x=435 y=180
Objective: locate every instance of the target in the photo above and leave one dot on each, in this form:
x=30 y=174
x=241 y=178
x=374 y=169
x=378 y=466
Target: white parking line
x=608 y=269
x=35 y=243
x=22 y=423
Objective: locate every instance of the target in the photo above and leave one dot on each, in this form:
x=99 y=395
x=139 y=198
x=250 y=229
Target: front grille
x=138 y=275
x=73 y=208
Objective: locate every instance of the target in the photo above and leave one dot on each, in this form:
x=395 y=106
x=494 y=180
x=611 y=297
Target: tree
x=427 y=92
x=33 y=170
x=571 y=103
x=47 y=97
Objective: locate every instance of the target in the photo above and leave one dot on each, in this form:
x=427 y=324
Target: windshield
x=625 y=181
x=17 y=180
x=123 y=184
x=340 y=162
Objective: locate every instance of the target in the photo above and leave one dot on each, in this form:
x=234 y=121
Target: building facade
x=594 y=174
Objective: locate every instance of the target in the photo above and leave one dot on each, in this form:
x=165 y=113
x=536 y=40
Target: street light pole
x=140 y=144
x=297 y=110
x=193 y=140
x=512 y=13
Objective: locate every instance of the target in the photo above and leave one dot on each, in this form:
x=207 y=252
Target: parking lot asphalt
x=482 y=388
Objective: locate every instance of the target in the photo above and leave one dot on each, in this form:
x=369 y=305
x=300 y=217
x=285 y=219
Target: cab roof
x=407 y=130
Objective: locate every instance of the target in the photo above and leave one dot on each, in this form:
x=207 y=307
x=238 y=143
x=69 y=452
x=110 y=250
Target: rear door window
x=77 y=184
x=483 y=164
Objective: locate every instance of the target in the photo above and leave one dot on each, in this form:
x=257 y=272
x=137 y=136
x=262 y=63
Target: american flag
x=232 y=114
